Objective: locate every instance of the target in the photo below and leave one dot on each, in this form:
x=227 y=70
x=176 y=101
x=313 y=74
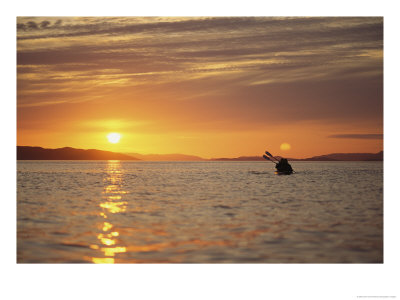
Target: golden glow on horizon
x=285 y=147
x=114 y=137
x=209 y=143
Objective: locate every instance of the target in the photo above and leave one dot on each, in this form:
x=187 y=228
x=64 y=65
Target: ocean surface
x=199 y=212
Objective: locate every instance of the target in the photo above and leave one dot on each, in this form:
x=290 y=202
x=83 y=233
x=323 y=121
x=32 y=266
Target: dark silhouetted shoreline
x=68 y=153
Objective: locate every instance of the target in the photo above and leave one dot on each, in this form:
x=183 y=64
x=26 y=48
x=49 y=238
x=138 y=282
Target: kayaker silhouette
x=283 y=166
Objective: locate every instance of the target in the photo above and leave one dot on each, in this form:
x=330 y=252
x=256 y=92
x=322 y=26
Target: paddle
x=267 y=158
x=266 y=152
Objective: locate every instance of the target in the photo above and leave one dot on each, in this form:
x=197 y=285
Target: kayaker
x=284 y=166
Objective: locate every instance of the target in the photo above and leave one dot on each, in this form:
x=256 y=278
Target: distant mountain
x=167 y=157
x=240 y=158
x=68 y=153
x=328 y=157
x=347 y=157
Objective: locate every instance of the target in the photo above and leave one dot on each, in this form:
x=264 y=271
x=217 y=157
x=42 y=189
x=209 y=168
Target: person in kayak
x=284 y=166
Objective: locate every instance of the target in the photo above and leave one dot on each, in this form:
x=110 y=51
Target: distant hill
x=347 y=157
x=67 y=153
x=167 y=157
x=328 y=157
x=240 y=158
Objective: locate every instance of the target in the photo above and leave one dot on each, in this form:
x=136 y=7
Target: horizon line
x=129 y=154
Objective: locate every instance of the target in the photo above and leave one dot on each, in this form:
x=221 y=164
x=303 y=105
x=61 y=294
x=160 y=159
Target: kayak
x=288 y=172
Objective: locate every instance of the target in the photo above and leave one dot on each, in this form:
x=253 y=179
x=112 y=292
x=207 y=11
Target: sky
x=206 y=86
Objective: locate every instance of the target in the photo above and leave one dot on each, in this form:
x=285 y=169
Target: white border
x=241 y=281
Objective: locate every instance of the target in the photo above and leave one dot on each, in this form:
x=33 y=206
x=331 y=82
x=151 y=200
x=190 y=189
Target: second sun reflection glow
x=285 y=146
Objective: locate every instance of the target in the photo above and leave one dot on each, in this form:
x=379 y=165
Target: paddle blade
x=266 y=152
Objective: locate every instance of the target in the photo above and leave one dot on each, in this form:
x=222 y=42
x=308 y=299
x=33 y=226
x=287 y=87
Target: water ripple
x=144 y=212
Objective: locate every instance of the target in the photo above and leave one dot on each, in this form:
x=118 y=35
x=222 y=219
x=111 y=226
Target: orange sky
x=212 y=87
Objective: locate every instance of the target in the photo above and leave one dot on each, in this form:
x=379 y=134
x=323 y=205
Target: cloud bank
x=254 y=70
x=372 y=136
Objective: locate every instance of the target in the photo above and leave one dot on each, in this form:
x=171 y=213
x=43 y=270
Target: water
x=199 y=212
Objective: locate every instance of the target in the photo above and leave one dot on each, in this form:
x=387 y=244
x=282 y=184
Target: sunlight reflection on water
x=112 y=204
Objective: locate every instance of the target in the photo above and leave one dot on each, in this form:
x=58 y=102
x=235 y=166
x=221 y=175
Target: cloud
x=273 y=28
x=247 y=69
x=44 y=24
x=297 y=41
x=369 y=136
x=21 y=26
x=32 y=25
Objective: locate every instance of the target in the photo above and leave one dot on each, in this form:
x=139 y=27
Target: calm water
x=199 y=212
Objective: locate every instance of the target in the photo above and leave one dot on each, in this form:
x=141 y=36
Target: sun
x=113 y=137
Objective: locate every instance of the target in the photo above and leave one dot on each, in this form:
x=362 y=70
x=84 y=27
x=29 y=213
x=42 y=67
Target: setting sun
x=114 y=137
